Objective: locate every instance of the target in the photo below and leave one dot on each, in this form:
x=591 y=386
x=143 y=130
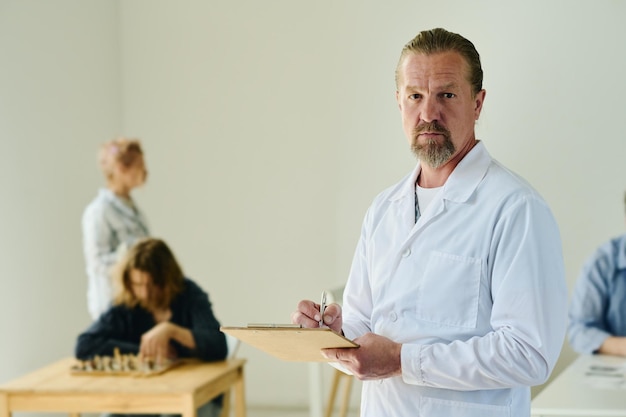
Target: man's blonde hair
x=433 y=41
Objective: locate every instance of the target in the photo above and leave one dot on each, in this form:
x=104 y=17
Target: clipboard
x=290 y=342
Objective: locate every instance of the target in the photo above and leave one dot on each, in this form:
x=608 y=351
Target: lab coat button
x=406 y=252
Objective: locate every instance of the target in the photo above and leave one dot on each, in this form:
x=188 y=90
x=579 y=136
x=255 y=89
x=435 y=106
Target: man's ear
x=479 y=99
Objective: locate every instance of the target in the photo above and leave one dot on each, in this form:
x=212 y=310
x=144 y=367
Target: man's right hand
x=308 y=315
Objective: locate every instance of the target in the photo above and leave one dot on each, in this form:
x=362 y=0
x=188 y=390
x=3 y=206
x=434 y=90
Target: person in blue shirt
x=597 y=313
x=112 y=221
x=157 y=313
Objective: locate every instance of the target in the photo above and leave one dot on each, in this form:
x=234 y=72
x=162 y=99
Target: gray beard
x=434 y=154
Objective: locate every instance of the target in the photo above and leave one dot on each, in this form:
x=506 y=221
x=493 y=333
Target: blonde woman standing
x=112 y=222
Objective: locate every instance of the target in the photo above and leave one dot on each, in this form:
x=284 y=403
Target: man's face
x=437 y=105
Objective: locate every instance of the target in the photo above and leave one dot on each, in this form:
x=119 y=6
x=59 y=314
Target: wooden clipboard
x=290 y=343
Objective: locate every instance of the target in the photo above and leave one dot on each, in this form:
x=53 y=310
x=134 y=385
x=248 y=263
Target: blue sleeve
x=587 y=325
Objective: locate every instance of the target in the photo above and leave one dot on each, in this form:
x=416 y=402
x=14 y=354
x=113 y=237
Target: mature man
x=457 y=294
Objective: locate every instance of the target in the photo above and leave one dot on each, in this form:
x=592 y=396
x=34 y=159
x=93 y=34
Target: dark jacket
x=122 y=327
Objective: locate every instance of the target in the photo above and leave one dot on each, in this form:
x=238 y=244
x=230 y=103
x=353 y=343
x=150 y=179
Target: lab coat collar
x=462 y=181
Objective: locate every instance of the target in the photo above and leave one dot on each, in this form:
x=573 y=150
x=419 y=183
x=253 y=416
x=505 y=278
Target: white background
x=268 y=128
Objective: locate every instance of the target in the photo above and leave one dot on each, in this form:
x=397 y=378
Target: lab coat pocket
x=448 y=293
x=434 y=407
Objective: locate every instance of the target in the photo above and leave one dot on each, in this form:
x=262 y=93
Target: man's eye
x=449 y=95
x=414 y=96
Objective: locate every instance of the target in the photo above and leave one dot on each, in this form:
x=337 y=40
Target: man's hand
x=308 y=315
x=377 y=357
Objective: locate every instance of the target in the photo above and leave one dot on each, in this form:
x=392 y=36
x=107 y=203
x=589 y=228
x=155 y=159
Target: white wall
x=59 y=98
x=269 y=127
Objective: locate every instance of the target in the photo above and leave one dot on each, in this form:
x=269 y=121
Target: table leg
x=226 y=403
x=4 y=405
x=240 y=397
x=189 y=407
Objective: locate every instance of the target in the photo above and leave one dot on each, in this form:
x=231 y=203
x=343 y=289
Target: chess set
x=118 y=364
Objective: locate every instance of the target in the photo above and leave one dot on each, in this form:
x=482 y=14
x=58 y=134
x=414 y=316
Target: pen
x=322 y=308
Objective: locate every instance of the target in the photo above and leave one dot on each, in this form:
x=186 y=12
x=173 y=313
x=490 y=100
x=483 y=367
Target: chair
x=345 y=401
x=232 y=344
x=336 y=295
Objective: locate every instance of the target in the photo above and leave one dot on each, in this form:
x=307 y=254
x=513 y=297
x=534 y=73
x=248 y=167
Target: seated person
x=157 y=313
x=597 y=311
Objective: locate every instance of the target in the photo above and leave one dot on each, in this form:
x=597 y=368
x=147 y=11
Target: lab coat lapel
x=458 y=188
x=403 y=206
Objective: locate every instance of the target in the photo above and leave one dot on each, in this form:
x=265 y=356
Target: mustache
x=431 y=127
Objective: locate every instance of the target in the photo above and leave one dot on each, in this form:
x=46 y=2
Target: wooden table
x=180 y=390
x=583 y=389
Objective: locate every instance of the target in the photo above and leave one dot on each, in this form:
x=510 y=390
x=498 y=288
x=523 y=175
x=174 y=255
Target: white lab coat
x=475 y=292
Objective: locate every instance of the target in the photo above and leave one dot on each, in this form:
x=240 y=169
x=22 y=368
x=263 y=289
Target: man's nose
x=429 y=110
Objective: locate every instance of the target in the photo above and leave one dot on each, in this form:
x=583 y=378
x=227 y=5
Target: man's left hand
x=377 y=357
